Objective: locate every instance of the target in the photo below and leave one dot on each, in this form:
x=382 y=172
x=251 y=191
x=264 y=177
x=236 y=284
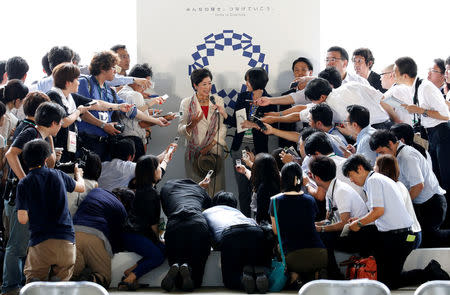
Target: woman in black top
x=304 y=250
x=141 y=230
x=266 y=183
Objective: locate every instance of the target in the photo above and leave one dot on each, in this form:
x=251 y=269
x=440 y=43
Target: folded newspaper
x=393 y=102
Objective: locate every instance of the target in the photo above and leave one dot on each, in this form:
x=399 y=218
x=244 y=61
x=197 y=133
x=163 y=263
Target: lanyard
x=100 y=91
x=252 y=107
x=331 y=209
x=398 y=150
x=31 y=123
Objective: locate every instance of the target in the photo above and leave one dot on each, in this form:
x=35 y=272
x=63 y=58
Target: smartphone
x=294 y=85
x=165 y=96
x=210 y=172
x=91 y=103
x=238 y=162
x=260 y=123
x=175 y=140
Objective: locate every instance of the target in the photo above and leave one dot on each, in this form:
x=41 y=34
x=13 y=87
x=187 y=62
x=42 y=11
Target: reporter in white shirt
x=434 y=114
x=392 y=243
x=388 y=166
x=342 y=203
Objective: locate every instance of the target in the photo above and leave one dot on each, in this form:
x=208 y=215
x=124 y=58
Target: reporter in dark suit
x=256 y=81
x=363 y=61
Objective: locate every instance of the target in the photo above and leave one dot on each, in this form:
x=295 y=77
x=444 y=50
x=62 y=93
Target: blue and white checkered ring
x=238 y=42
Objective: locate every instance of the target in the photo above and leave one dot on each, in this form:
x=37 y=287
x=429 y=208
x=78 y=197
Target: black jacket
x=259 y=139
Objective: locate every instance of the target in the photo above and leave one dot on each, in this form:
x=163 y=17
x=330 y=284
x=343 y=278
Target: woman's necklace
x=204 y=100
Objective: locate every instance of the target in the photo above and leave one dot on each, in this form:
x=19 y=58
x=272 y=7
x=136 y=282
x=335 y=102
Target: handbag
x=360 y=268
x=278 y=275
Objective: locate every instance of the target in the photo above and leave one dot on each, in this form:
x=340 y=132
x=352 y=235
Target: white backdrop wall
x=30 y=28
x=171 y=35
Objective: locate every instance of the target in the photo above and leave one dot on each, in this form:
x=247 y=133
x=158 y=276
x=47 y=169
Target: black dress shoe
x=248 y=280
x=262 y=282
x=169 y=280
x=187 y=284
x=435 y=271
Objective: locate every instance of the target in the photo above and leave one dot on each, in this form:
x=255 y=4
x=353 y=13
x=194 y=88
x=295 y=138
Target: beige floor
x=223 y=291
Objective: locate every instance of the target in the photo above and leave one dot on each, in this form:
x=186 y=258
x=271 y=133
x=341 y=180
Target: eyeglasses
x=333 y=59
x=358 y=60
x=434 y=71
x=386 y=73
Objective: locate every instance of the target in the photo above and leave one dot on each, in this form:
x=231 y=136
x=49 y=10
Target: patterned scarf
x=194 y=147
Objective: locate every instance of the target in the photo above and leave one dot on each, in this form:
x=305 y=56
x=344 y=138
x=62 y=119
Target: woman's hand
x=194 y=120
x=221 y=110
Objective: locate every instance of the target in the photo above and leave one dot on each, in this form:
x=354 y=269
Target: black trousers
x=431 y=215
x=242 y=246
x=390 y=255
x=188 y=241
x=439 y=147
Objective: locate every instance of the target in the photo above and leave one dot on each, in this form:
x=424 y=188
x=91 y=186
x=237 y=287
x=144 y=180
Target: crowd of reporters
x=362 y=166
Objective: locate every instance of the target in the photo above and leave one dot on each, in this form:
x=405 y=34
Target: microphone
x=212 y=99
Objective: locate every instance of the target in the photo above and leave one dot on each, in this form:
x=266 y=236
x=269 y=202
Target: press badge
x=72 y=142
x=410 y=238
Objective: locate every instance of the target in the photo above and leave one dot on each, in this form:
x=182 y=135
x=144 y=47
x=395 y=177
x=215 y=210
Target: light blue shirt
x=334 y=131
x=222 y=217
x=383 y=192
x=362 y=144
x=415 y=169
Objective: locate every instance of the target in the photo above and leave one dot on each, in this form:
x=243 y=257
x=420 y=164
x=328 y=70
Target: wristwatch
x=103 y=125
x=425 y=113
x=322 y=229
x=359 y=223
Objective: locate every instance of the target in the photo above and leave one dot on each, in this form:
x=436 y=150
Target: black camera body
x=69 y=167
x=119 y=127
